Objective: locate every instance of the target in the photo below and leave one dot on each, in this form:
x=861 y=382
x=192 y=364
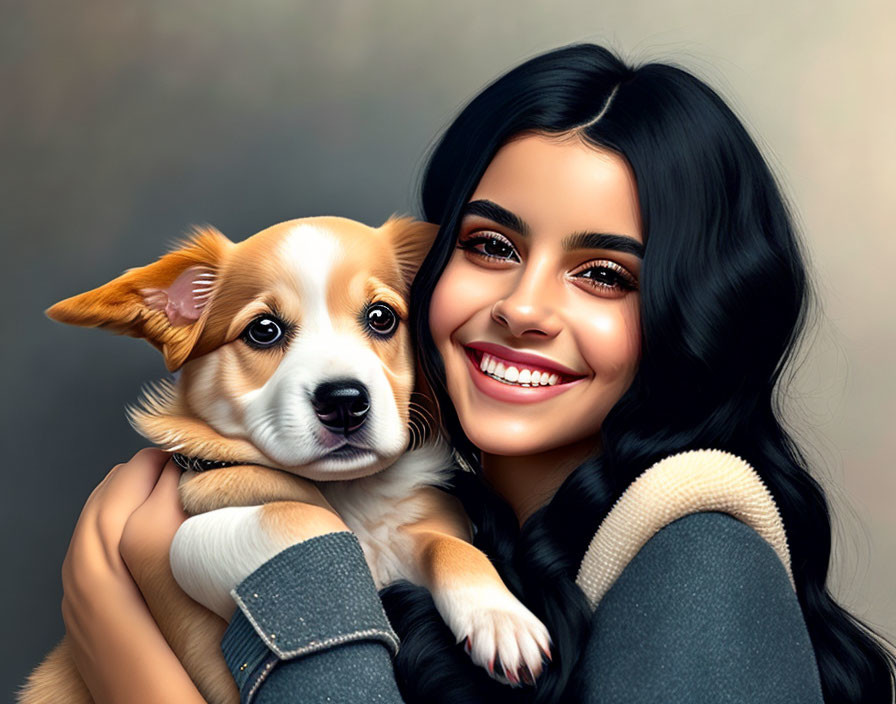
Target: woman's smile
x=517 y=377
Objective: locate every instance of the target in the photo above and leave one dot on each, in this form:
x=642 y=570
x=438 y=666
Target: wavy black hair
x=724 y=300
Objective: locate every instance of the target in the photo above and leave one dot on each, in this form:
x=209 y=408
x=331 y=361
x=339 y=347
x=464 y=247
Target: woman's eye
x=381 y=319
x=263 y=331
x=491 y=246
x=607 y=276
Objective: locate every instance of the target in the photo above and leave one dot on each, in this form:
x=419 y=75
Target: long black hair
x=724 y=299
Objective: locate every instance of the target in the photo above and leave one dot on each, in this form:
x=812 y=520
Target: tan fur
x=285 y=519
x=166 y=419
x=249 y=279
x=246 y=485
x=120 y=305
x=442 y=544
x=57 y=673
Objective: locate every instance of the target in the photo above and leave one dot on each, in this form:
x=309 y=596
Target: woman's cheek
x=455 y=300
x=610 y=341
x=440 y=312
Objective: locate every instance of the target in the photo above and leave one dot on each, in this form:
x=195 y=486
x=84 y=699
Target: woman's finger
x=93 y=552
x=131 y=483
x=147 y=533
x=165 y=489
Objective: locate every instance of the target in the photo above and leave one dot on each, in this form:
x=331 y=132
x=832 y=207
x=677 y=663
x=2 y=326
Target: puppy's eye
x=381 y=319
x=264 y=331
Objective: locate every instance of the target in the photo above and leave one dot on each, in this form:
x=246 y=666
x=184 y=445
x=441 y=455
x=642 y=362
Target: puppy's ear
x=410 y=239
x=162 y=302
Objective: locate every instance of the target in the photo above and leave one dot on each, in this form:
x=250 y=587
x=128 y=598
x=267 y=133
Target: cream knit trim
x=688 y=482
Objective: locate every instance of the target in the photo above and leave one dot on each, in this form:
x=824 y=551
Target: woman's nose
x=528 y=308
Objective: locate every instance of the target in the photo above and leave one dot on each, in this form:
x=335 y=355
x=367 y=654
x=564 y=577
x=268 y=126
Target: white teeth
x=514 y=375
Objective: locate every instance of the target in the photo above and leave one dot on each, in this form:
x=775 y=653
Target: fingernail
x=512 y=678
x=468 y=645
x=526 y=675
x=499 y=669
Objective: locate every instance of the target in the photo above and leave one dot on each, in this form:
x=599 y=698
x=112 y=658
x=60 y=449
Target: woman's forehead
x=563 y=186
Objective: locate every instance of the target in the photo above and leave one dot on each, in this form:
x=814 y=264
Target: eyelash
x=622 y=279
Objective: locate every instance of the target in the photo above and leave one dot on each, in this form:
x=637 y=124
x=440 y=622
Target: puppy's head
x=292 y=344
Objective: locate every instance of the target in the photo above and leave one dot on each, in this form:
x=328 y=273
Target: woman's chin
x=517 y=440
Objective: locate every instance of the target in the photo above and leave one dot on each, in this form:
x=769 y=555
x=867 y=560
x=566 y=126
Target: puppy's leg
x=244 y=485
x=472 y=598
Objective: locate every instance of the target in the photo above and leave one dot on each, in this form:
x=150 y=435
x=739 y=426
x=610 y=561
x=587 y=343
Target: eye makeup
x=605 y=275
x=488 y=245
x=600 y=275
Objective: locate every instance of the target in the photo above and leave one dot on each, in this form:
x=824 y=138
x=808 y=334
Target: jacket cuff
x=312 y=596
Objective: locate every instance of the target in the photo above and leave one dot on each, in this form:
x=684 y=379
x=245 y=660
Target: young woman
x=615 y=227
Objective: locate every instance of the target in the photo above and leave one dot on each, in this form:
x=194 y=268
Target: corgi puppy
x=295 y=364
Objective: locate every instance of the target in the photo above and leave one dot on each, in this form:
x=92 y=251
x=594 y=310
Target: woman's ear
x=410 y=240
x=163 y=302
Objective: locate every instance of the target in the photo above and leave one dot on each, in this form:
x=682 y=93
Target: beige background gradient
x=123 y=122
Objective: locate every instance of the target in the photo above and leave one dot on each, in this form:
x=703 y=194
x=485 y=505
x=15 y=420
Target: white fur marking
x=213 y=552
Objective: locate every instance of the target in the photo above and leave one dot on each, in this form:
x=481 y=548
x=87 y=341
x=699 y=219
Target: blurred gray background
x=121 y=123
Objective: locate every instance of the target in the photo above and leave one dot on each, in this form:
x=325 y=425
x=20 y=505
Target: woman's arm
x=703 y=613
x=310 y=627
x=115 y=643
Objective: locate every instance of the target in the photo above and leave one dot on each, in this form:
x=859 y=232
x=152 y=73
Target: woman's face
x=536 y=315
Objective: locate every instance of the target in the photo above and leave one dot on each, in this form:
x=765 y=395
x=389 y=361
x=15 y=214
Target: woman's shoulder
x=702 y=555
x=680 y=485
x=704 y=609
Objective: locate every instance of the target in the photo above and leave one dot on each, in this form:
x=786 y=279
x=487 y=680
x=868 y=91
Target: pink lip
x=530 y=361
x=511 y=393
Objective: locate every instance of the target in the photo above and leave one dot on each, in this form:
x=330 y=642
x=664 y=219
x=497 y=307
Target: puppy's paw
x=499 y=633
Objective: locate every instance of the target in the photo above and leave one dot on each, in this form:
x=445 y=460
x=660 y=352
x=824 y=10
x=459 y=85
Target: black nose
x=341 y=405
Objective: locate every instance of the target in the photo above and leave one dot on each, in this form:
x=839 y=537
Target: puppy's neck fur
x=163 y=417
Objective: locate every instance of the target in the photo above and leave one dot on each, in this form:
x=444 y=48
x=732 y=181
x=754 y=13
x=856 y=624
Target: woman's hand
x=114 y=640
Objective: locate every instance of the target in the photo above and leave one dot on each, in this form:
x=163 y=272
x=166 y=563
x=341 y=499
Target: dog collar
x=197 y=464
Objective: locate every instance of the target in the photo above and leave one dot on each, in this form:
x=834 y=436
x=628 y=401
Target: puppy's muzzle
x=341 y=405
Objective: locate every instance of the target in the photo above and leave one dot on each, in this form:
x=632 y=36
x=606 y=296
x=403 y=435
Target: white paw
x=500 y=634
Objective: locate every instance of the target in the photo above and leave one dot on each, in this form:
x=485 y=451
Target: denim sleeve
x=310 y=627
x=703 y=613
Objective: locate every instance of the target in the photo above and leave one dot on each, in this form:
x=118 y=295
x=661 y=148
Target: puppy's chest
x=388 y=550
x=375 y=508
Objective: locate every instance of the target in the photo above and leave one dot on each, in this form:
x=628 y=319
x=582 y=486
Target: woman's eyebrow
x=601 y=240
x=579 y=240
x=494 y=212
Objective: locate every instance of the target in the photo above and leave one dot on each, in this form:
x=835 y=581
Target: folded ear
x=162 y=302
x=410 y=239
